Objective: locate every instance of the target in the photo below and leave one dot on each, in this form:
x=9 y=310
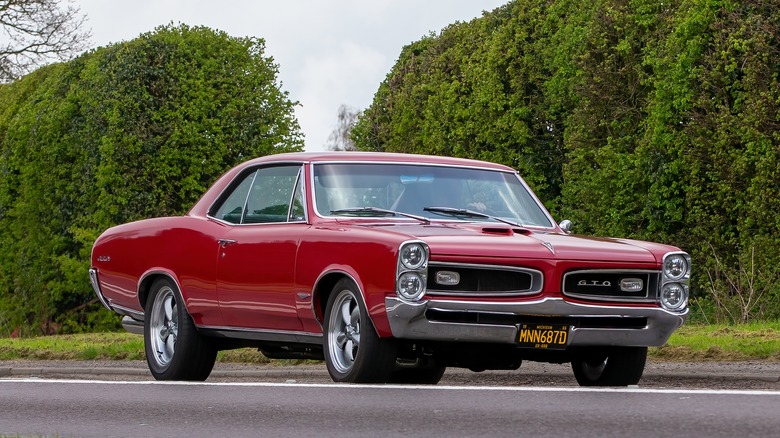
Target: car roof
x=378 y=157
x=201 y=207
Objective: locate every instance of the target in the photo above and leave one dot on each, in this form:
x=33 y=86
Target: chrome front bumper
x=409 y=321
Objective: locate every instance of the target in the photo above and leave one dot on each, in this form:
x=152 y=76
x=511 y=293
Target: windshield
x=425 y=191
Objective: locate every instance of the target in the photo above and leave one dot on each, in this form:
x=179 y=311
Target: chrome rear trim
x=93 y=278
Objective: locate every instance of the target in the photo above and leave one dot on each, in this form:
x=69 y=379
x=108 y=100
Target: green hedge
x=646 y=119
x=129 y=131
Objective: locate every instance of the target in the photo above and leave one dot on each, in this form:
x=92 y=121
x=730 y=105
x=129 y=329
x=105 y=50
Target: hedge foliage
x=132 y=130
x=634 y=118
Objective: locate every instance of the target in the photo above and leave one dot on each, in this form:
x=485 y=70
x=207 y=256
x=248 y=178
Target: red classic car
x=390 y=268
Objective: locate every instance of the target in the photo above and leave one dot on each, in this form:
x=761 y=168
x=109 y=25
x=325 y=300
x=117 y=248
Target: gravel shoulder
x=658 y=374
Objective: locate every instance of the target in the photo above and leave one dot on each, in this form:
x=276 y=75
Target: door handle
x=226 y=242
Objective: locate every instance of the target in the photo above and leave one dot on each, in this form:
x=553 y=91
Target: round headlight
x=411 y=285
x=413 y=256
x=674 y=296
x=675 y=267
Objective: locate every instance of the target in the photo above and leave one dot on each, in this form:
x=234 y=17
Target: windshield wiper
x=463 y=212
x=381 y=211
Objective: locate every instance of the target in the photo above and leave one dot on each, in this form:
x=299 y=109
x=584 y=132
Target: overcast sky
x=329 y=52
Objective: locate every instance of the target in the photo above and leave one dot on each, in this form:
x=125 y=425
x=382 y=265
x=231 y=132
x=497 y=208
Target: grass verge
x=695 y=343
x=692 y=342
x=99 y=346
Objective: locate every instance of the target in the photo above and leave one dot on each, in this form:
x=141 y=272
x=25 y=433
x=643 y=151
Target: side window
x=270 y=195
x=232 y=209
x=298 y=210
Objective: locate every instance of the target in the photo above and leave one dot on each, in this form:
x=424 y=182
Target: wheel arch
x=323 y=288
x=148 y=279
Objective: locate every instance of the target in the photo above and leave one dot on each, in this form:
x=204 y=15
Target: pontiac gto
x=390 y=268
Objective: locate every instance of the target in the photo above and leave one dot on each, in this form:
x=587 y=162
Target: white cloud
x=346 y=73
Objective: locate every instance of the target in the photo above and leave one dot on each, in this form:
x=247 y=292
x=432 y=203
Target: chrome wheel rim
x=164 y=326
x=344 y=332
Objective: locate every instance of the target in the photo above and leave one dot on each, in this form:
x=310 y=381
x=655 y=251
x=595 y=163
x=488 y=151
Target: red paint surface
x=262 y=280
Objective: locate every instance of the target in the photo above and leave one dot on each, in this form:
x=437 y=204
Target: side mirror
x=565 y=226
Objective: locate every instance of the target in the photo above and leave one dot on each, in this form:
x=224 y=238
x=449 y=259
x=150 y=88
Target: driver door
x=256 y=259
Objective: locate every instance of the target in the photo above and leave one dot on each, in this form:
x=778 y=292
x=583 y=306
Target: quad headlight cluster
x=675 y=278
x=412 y=271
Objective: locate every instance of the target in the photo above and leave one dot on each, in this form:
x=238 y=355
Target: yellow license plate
x=545 y=336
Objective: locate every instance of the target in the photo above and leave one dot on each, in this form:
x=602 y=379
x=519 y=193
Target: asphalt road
x=46 y=407
x=701 y=375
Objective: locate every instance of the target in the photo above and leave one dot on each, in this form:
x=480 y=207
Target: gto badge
x=606 y=283
x=103 y=258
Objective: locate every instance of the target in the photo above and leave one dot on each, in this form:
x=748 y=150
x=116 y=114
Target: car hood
x=497 y=240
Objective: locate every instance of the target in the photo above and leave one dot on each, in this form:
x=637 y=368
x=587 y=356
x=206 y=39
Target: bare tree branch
x=36 y=32
x=339 y=139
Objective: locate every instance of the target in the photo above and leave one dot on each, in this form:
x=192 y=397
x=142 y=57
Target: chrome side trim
x=262 y=335
x=93 y=279
x=259 y=224
x=409 y=321
x=537 y=281
x=139 y=316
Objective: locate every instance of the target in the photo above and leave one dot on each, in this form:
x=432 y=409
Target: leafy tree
x=133 y=130
x=475 y=90
x=729 y=122
x=634 y=118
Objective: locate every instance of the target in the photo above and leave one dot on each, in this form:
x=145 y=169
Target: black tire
x=354 y=352
x=174 y=349
x=424 y=372
x=613 y=366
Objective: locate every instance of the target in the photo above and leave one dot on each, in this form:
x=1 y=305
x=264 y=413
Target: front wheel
x=174 y=349
x=353 y=351
x=614 y=366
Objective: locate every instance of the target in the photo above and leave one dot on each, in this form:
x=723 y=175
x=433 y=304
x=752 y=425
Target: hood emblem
x=549 y=246
x=605 y=283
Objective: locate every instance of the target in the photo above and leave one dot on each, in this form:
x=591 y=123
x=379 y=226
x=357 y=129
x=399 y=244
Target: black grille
x=606 y=284
x=480 y=280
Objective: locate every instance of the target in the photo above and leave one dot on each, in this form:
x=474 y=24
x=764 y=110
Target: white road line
x=346 y=386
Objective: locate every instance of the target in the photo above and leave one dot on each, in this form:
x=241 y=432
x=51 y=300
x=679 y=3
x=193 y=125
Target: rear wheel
x=174 y=349
x=614 y=366
x=353 y=351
